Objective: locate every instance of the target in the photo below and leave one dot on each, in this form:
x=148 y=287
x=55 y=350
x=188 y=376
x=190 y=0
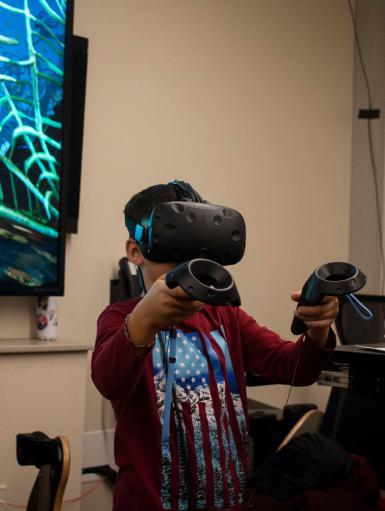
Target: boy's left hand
x=318 y=318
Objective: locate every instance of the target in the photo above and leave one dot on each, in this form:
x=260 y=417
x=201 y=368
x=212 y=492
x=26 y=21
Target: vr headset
x=189 y=229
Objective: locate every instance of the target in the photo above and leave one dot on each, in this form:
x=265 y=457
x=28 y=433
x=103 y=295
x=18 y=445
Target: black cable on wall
x=370 y=114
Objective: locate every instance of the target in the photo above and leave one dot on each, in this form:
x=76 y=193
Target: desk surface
x=352 y=348
x=352 y=355
x=15 y=346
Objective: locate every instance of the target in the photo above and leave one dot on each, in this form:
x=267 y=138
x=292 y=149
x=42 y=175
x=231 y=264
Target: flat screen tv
x=34 y=69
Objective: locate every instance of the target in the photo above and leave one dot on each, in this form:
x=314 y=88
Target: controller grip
x=171 y=281
x=297 y=325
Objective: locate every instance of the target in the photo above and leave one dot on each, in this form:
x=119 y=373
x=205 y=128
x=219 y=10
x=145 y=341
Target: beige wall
x=365 y=245
x=38 y=395
x=251 y=102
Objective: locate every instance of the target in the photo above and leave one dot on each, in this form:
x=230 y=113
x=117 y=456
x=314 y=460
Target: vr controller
x=335 y=279
x=206 y=281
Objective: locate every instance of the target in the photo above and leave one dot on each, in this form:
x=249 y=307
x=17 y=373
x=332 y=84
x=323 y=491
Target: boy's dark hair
x=142 y=203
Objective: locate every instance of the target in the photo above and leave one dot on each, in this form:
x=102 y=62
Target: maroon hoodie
x=203 y=467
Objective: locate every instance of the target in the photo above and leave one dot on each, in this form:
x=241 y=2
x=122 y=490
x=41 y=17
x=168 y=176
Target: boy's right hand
x=160 y=309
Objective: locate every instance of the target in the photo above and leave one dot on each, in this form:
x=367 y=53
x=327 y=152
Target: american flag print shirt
x=211 y=422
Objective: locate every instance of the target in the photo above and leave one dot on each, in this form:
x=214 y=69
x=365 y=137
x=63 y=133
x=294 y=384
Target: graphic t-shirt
x=203 y=465
x=207 y=394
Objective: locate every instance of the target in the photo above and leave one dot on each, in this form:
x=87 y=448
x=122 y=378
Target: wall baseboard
x=90 y=478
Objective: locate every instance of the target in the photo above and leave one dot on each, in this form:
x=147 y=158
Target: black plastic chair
x=52 y=457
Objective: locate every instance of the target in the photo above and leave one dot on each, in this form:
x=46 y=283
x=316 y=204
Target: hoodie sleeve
x=267 y=354
x=116 y=365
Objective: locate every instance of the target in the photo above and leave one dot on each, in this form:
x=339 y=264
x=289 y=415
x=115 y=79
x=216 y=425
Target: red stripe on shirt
x=217 y=407
x=175 y=465
x=207 y=455
x=235 y=427
x=192 y=460
x=233 y=470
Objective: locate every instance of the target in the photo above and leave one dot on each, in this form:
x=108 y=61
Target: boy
x=203 y=465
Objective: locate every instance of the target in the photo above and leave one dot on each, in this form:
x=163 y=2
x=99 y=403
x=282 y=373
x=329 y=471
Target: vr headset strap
x=135 y=230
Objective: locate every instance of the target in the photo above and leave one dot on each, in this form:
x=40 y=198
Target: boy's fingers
x=330 y=299
x=180 y=294
x=177 y=316
x=319 y=324
x=187 y=310
x=176 y=292
x=184 y=300
x=331 y=306
x=306 y=319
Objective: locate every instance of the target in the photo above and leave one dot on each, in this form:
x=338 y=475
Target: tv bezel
x=58 y=289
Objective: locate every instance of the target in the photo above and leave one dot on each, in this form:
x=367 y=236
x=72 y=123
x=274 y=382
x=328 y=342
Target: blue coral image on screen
x=32 y=46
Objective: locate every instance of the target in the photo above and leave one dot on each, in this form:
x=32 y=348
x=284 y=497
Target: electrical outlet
x=3 y=492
